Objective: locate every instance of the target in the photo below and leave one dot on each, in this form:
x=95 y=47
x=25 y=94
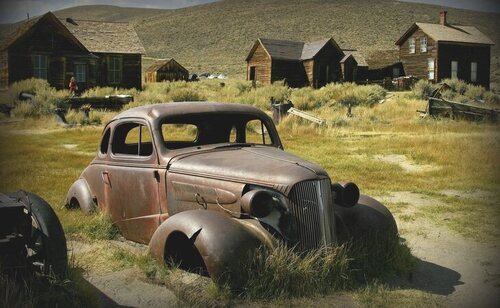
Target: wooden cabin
x=438 y=51
x=166 y=70
x=299 y=64
x=354 y=64
x=96 y=53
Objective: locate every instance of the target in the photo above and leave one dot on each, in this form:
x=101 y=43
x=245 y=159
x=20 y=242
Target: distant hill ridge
x=216 y=37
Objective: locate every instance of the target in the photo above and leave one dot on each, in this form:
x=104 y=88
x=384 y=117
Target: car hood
x=260 y=165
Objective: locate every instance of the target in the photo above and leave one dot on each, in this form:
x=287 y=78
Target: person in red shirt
x=73 y=87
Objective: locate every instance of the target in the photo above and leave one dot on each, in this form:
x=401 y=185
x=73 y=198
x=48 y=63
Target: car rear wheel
x=47 y=250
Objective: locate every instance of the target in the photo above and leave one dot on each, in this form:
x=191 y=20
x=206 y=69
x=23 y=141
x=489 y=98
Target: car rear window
x=198 y=130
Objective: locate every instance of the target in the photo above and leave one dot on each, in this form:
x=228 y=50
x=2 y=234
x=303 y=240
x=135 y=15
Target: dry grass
x=34 y=158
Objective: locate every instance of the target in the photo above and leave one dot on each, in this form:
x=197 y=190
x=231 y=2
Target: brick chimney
x=442 y=18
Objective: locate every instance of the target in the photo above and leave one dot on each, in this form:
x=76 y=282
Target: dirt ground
x=463 y=272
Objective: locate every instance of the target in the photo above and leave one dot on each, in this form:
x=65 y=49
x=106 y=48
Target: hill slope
x=218 y=36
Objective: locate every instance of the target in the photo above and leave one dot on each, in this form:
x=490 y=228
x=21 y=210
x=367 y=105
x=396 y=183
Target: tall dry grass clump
x=44 y=102
x=281 y=272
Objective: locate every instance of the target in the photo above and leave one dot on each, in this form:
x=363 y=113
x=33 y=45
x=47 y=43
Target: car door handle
x=157 y=175
x=105 y=177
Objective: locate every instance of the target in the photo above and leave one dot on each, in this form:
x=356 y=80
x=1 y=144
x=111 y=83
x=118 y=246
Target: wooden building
x=96 y=53
x=300 y=64
x=166 y=70
x=439 y=51
x=354 y=66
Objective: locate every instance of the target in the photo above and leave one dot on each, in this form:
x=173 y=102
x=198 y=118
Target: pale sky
x=476 y=5
x=16 y=10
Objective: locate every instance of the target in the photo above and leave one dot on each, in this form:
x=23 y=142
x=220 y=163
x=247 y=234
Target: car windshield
x=204 y=129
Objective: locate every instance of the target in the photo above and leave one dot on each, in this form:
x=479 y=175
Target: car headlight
x=258 y=203
x=345 y=194
x=271 y=209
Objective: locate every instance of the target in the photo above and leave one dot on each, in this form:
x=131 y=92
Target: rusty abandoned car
x=31 y=235
x=206 y=184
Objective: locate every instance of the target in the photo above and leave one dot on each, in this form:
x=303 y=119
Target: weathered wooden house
x=96 y=53
x=299 y=64
x=353 y=65
x=166 y=70
x=439 y=51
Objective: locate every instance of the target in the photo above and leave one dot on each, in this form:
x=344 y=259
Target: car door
x=132 y=180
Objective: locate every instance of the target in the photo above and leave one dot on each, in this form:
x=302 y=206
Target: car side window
x=132 y=139
x=256 y=132
x=105 y=141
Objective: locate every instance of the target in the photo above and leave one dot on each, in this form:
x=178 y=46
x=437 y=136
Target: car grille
x=312 y=205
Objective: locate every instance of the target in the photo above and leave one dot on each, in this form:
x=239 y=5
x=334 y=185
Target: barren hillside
x=217 y=36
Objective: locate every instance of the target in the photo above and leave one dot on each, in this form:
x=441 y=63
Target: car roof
x=156 y=111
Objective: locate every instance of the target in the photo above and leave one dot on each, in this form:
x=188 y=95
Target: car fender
x=225 y=244
x=366 y=218
x=80 y=192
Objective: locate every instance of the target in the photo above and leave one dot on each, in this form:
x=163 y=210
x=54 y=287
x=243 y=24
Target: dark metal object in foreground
x=206 y=184
x=31 y=236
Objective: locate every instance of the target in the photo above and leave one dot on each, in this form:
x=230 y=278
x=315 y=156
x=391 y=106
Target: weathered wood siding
x=464 y=54
x=349 y=69
x=309 y=68
x=171 y=71
x=327 y=66
x=292 y=72
x=132 y=73
x=262 y=63
x=63 y=54
x=415 y=64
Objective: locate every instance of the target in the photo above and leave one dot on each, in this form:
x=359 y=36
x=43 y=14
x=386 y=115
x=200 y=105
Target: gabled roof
x=27 y=27
x=312 y=48
x=358 y=57
x=281 y=49
x=291 y=50
x=160 y=63
x=347 y=56
x=448 y=33
x=92 y=36
x=105 y=37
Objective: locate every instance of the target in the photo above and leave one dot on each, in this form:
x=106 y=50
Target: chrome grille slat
x=312 y=205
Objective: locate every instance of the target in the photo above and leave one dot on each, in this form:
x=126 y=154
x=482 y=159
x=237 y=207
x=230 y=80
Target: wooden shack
x=96 y=53
x=166 y=70
x=299 y=64
x=354 y=65
x=438 y=51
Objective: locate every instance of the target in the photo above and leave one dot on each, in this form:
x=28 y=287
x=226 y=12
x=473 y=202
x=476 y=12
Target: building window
x=430 y=69
x=40 y=66
x=115 y=69
x=423 y=44
x=80 y=72
x=454 y=69
x=473 y=71
x=411 y=45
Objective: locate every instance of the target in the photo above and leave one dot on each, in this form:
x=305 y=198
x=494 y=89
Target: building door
x=57 y=73
x=252 y=73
